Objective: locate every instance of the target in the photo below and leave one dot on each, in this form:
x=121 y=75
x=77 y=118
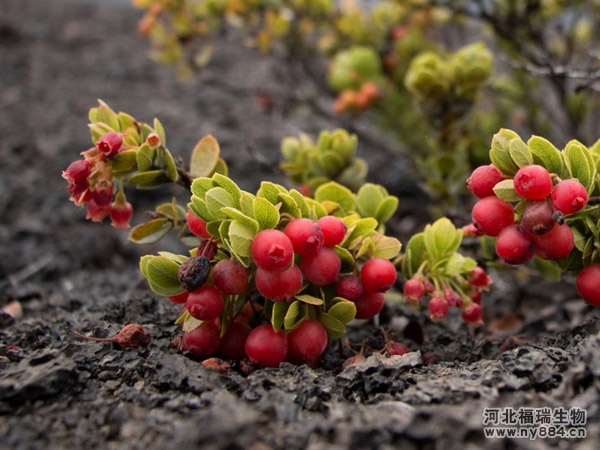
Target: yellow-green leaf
x=150 y=232
x=204 y=157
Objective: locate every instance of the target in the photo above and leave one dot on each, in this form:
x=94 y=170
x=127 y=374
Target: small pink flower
x=120 y=214
x=413 y=290
x=110 y=143
x=77 y=171
x=102 y=196
x=438 y=307
x=95 y=212
x=153 y=140
x=472 y=313
x=479 y=278
x=452 y=297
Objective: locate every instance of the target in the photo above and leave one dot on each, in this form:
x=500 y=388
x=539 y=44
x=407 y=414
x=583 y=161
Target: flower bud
x=120 y=214
x=438 y=307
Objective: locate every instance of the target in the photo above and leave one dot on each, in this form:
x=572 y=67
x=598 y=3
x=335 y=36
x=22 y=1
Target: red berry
x=201 y=342
x=556 y=244
x=491 y=215
x=514 y=245
x=588 y=284
x=533 y=182
x=483 y=179
x=569 y=196
x=378 y=275
x=230 y=276
x=306 y=236
x=438 y=307
x=307 y=342
x=321 y=267
x=369 y=305
x=266 y=347
x=334 y=230
x=272 y=250
x=349 y=287
x=472 y=313
x=413 y=290
x=196 y=225
x=233 y=342
x=180 y=298
x=279 y=286
x=537 y=217
x=205 y=303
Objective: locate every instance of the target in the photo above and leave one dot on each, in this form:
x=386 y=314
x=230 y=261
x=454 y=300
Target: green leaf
x=270 y=191
x=229 y=185
x=104 y=114
x=145 y=157
x=217 y=198
x=240 y=238
x=505 y=190
x=385 y=247
x=148 y=180
x=160 y=130
x=239 y=216
x=441 y=238
x=201 y=185
x=335 y=327
x=161 y=273
x=289 y=205
x=335 y=192
x=295 y=314
x=342 y=309
x=386 y=209
x=354 y=175
x=520 y=153
x=361 y=228
x=580 y=163
x=309 y=299
x=301 y=201
x=500 y=152
x=414 y=255
x=546 y=155
x=150 y=232
x=124 y=162
x=170 y=166
x=458 y=264
x=368 y=198
x=265 y=213
x=550 y=270
x=278 y=314
x=204 y=157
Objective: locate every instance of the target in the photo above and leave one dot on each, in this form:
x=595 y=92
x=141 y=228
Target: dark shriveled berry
x=193 y=272
x=537 y=218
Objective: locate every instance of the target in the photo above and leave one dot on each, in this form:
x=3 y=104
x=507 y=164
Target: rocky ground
x=540 y=346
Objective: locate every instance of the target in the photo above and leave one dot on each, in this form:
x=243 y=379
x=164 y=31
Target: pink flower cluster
x=90 y=182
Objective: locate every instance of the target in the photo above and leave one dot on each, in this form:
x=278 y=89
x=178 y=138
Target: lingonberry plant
x=301 y=266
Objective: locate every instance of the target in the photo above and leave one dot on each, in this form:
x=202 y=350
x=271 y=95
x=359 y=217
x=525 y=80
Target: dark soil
x=540 y=346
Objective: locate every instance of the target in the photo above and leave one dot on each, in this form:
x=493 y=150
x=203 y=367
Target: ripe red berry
x=556 y=244
x=438 y=307
x=349 y=287
x=491 y=215
x=533 y=182
x=588 y=284
x=307 y=342
x=333 y=228
x=514 y=245
x=472 y=313
x=230 y=276
x=279 y=286
x=378 y=275
x=569 y=196
x=202 y=341
x=196 y=225
x=321 y=267
x=369 y=305
x=272 y=250
x=180 y=298
x=205 y=303
x=413 y=290
x=537 y=218
x=483 y=179
x=306 y=235
x=233 y=342
x=266 y=347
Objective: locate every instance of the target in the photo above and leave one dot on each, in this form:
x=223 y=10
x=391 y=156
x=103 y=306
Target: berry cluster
x=91 y=182
x=536 y=226
x=467 y=297
x=299 y=258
